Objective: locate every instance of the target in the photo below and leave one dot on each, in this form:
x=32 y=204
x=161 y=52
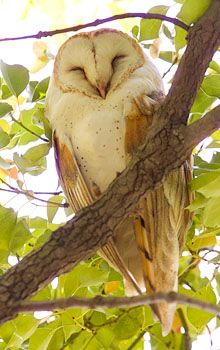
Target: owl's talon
x=95 y=190
x=149 y=104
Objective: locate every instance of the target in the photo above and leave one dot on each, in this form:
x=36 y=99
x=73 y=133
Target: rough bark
x=167 y=146
x=203 y=41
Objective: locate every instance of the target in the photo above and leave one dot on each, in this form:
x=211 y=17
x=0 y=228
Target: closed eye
x=116 y=60
x=77 y=69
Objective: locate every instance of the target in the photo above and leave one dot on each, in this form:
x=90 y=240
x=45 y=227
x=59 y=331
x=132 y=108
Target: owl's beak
x=102 y=89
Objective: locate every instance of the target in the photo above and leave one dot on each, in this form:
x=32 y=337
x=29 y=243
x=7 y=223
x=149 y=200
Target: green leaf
x=57 y=340
x=198 y=317
x=40 y=90
x=43 y=294
x=41 y=338
x=45 y=235
x=106 y=337
x=135 y=31
x=52 y=209
x=180 y=38
x=80 y=340
x=211 y=85
x=204 y=240
x=202 y=102
x=15 y=76
x=5 y=108
x=37 y=222
x=166 y=56
x=211 y=215
x=215 y=66
x=198 y=203
x=158 y=342
x=217 y=277
x=22 y=328
x=28 y=166
x=167 y=32
x=8 y=221
x=19 y=236
x=129 y=325
x=83 y=276
x=14 y=234
x=4 y=138
x=98 y=318
x=69 y=326
x=35 y=153
x=216 y=136
x=208 y=184
x=30 y=89
x=3 y=256
x=39 y=115
x=149 y=29
x=33 y=161
x=192 y=10
x=6 y=92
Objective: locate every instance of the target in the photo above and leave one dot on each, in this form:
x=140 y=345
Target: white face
x=95 y=63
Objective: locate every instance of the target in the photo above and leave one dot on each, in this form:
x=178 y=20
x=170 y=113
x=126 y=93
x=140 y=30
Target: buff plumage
x=92 y=103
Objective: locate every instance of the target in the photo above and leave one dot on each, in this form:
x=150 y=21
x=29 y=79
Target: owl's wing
x=70 y=176
x=79 y=195
x=160 y=222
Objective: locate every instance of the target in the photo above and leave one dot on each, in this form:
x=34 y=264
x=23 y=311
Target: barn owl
x=95 y=106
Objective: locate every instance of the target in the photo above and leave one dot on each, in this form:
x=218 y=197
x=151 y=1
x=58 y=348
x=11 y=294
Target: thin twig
x=29 y=194
x=171 y=66
x=210 y=336
x=30 y=131
x=117 y=302
x=52 y=193
x=97 y=22
x=188 y=340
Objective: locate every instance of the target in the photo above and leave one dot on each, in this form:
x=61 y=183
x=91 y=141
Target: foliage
x=25 y=141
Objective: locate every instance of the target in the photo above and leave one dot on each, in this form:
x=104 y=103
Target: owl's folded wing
x=160 y=222
x=80 y=196
x=70 y=176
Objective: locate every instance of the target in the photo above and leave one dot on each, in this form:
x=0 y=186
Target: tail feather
x=157 y=229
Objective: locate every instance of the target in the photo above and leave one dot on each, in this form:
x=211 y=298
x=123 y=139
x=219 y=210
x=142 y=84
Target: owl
x=101 y=101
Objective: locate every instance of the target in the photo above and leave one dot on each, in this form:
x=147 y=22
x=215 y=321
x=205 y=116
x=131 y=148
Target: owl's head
x=96 y=62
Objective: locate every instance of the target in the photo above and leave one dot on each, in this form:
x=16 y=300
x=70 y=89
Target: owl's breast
x=96 y=131
x=98 y=141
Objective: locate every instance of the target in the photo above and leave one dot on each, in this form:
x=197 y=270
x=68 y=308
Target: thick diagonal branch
x=167 y=146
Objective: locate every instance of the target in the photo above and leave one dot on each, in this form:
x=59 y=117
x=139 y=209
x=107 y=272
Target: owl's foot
x=149 y=104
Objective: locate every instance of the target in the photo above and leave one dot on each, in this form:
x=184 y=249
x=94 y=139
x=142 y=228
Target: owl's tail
x=159 y=255
x=160 y=229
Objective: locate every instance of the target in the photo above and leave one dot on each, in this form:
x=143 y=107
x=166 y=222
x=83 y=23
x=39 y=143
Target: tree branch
x=203 y=127
x=97 y=22
x=167 y=145
x=203 y=41
x=117 y=302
